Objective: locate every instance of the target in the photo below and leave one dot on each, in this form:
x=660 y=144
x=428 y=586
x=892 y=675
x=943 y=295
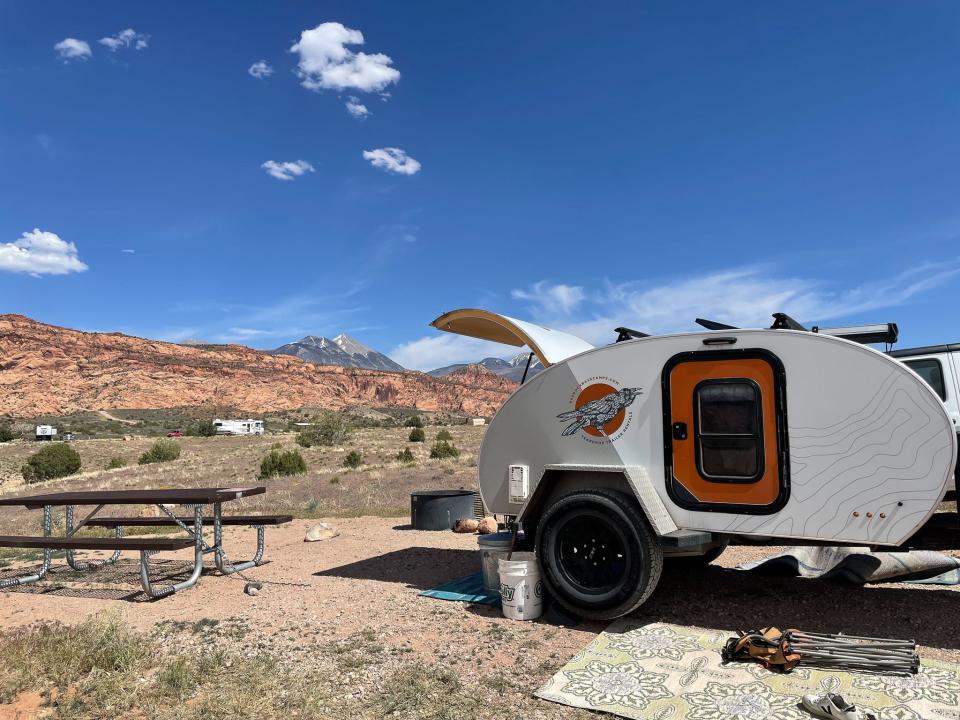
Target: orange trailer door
x=725 y=431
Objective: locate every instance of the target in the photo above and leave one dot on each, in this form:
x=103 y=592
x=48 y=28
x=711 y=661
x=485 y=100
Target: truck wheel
x=599 y=557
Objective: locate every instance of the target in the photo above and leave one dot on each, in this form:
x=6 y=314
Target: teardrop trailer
x=615 y=458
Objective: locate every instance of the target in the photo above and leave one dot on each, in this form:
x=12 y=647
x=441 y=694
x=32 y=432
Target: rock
x=487 y=525
x=466 y=525
x=321 y=531
x=161 y=375
x=252 y=588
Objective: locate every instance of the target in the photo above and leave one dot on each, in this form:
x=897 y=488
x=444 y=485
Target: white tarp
x=551 y=346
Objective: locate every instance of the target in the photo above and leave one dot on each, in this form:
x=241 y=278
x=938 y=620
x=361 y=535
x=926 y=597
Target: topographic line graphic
x=865 y=411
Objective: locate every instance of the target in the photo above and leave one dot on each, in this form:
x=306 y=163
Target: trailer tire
x=574 y=536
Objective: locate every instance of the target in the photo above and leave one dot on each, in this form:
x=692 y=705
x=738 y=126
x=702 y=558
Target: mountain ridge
x=47 y=369
x=342 y=350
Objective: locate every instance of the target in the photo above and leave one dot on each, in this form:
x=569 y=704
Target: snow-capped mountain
x=343 y=350
x=511 y=369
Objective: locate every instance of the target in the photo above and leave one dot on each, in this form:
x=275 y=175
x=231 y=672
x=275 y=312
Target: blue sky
x=581 y=164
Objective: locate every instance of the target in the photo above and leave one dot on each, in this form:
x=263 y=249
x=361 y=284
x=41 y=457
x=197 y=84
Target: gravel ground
x=352 y=601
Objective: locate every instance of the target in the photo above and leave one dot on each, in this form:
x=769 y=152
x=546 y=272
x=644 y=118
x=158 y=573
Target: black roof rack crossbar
x=865 y=334
x=625 y=333
x=782 y=321
x=714 y=325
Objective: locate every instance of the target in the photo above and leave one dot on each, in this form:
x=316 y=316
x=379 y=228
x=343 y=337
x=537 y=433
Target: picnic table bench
x=195 y=498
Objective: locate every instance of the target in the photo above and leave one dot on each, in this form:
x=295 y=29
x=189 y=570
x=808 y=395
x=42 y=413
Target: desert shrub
x=417 y=435
x=305 y=439
x=6 y=432
x=353 y=460
x=414 y=421
x=117 y=462
x=164 y=450
x=442 y=449
x=52 y=461
x=444 y=435
x=282 y=462
x=331 y=429
x=405 y=456
x=202 y=428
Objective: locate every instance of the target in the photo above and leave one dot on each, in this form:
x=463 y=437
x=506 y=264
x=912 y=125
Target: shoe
x=830 y=706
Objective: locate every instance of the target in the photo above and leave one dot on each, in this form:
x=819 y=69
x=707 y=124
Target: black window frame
x=942 y=390
x=698 y=433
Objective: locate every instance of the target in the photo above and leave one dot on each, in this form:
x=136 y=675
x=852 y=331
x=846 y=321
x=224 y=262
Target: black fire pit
x=440 y=509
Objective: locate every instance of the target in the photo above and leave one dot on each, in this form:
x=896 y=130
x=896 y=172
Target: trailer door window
x=931 y=371
x=728 y=433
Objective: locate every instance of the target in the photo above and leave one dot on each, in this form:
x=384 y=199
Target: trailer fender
x=561 y=479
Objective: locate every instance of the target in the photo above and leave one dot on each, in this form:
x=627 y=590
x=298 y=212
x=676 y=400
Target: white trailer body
x=755 y=435
x=239 y=427
x=45 y=432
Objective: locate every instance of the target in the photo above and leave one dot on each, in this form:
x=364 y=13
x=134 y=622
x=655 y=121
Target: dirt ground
x=367 y=580
x=350 y=605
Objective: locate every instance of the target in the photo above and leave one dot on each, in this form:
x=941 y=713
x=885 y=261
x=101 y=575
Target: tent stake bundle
x=783 y=651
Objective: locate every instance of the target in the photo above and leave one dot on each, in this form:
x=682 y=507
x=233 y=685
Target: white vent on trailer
x=519 y=483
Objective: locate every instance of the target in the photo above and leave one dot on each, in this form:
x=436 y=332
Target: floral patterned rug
x=670 y=672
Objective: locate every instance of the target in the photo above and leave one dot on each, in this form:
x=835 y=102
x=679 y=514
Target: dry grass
x=103 y=669
x=381 y=487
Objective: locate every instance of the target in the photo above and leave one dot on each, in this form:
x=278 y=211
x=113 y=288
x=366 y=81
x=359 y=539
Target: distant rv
x=239 y=427
x=45 y=432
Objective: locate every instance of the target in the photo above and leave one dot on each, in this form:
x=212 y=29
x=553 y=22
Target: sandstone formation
x=51 y=370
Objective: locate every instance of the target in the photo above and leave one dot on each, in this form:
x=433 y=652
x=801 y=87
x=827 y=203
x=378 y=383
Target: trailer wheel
x=599 y=556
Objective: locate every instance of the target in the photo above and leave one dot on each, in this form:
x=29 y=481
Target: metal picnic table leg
x=159 y=592
x=93 y=564
x=223 y=565
x=47 y=556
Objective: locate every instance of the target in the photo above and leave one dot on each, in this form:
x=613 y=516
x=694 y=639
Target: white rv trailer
x=45 y=432
x=239 y=427
x=617 y=456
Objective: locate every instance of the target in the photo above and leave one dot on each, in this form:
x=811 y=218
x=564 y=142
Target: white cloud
x=261 y=69
x=357 y=108
x=434 y=351
x=72 y=49
x=393 y=160
x=744 y=297
x=40 y=253
x=327 y=64
x=287 y=170
x=125 y=39
x=129 y=251
x=551 y=300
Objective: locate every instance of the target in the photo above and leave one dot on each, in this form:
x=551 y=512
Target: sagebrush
x=282 y=463
x=331 y=429
x=164 y=450
x=442 y=449
x=52 y=461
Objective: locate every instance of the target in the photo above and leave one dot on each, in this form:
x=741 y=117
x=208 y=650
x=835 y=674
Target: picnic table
x=195 y=499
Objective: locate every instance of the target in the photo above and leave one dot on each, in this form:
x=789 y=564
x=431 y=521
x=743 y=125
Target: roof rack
x=880 y=333
x=625 y=333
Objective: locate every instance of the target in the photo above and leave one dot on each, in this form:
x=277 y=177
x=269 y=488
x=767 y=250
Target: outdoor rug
x=466 y=589
x=671 y=672
x=859 y=565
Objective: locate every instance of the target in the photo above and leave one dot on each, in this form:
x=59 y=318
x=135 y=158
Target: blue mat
x=466 y=589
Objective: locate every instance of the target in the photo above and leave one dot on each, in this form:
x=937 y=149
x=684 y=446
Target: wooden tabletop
x=181 y=496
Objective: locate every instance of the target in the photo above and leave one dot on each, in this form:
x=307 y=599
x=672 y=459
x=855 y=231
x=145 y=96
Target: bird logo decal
x=600 y=410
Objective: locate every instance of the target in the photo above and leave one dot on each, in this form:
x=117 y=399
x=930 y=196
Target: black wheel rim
x=591 y=554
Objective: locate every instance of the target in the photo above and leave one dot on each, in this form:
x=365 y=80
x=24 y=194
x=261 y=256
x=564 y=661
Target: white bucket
x=492 y=548
x=521 y=590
